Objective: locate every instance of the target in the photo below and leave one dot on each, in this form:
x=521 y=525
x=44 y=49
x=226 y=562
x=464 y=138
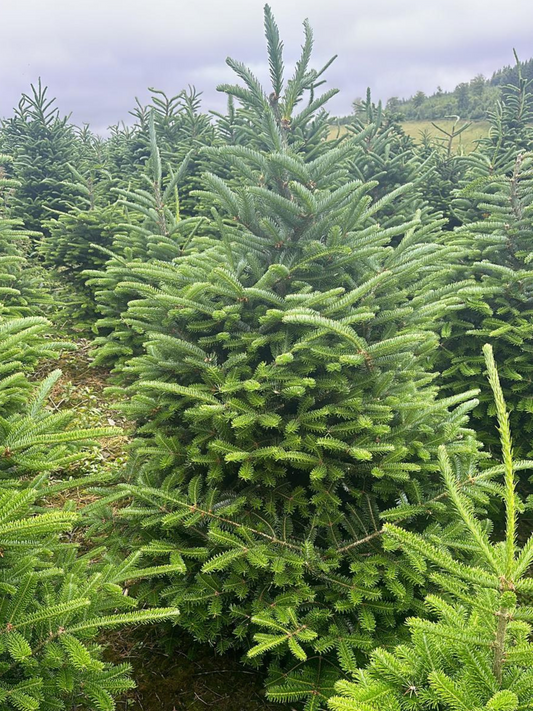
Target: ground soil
x=186 y=677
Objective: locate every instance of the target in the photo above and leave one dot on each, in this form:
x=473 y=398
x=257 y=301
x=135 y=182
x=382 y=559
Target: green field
x=467 y=141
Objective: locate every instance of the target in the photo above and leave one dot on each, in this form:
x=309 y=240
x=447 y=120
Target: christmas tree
x=284 y=401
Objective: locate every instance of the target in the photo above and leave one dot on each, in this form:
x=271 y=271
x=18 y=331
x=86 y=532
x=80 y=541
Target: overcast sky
x=97 y=55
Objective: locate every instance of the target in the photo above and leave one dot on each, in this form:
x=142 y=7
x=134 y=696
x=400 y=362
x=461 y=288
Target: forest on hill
x=469 y=100
x=266 y=404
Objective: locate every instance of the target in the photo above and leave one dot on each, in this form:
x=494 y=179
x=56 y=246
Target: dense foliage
x=474 y=651
x=294 y=319
x=54 y=600
x=495 y=206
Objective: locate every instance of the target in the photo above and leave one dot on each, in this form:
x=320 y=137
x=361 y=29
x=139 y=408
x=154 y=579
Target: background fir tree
x=182 y=131
x=21 y=291
x=499 y=254
x=121 y=152
x=387 y=156
x=151 y=229
x=495 y=206
x=7 y=183
x=42 y=144
x=510 y=134
x=79 y=238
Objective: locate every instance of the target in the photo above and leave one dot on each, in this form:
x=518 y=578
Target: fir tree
x=42 y=144
x=182 y=131
x=510 y=135
x=151 y=230
x=20 y=289
x=76 y=238
x=23 y=341
x=498 y=249
x=53 y=601
x=474 y=652
x=7 y=183
x=284 y=401
x=386 y=155
x=121 y=152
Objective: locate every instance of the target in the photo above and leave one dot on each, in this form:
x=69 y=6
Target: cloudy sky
x=97 y=55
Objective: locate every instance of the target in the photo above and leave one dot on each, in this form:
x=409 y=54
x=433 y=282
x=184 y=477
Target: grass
x=466 y=142
x=81 y=390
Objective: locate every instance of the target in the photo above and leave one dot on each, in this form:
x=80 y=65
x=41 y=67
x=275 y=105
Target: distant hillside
x=469 y=100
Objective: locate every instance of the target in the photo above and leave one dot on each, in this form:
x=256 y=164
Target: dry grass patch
x=466 y=142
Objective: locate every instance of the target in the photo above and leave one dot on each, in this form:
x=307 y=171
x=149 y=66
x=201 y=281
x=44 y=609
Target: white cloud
x=98 y=54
